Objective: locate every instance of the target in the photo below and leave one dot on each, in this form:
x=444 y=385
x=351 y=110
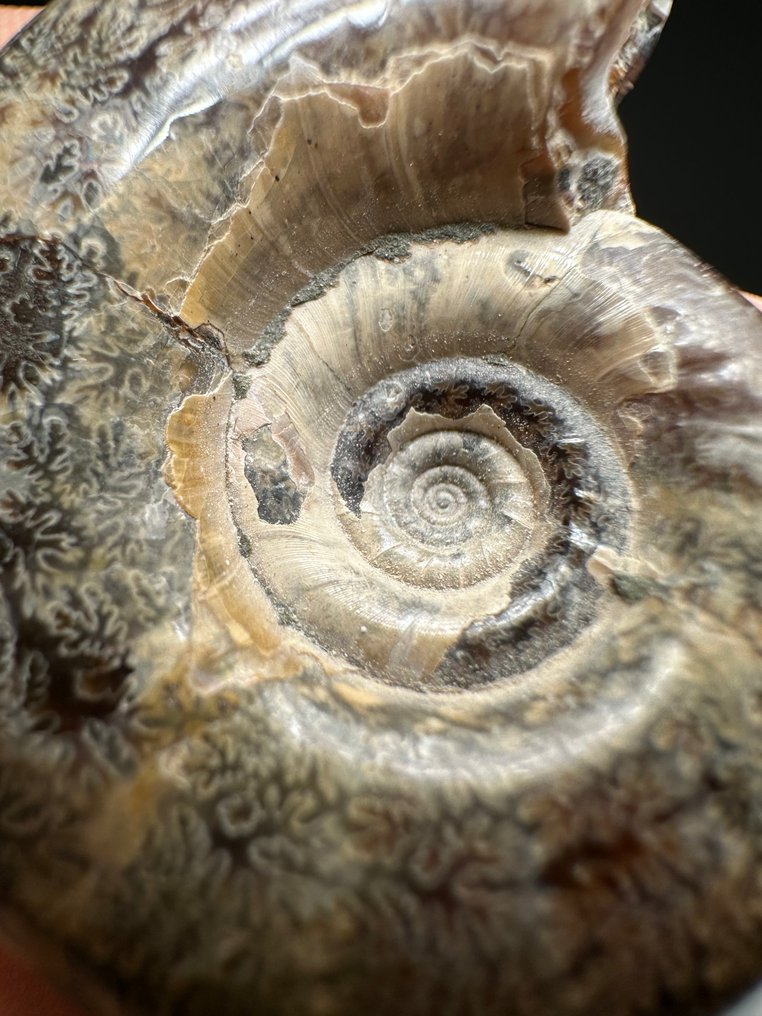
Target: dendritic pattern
x=77 y=587
x=380 y=573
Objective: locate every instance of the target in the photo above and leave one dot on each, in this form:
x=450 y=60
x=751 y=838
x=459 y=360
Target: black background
x=694 y=122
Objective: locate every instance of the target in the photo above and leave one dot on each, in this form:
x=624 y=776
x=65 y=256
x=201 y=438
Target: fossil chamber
x=379 y=522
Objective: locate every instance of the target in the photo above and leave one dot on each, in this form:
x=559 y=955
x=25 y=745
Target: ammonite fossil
x=381 y=557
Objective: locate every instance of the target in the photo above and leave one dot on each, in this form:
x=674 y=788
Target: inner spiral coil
x=451 y=524
x=451 y=505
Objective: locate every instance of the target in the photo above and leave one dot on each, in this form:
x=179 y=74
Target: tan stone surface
x=381 y=566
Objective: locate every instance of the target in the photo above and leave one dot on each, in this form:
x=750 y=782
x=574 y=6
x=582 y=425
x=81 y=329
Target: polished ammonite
x=379 y=522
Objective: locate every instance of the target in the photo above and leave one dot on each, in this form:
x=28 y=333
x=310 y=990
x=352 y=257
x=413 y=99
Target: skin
x=13 y=19
x=23 y=990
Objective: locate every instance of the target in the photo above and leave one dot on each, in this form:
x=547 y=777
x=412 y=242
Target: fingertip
x=13 y=19
x=24 y=992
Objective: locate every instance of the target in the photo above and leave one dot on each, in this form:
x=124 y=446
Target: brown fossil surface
x=379 y=522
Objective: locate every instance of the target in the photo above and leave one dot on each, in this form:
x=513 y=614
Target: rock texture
x=381 y=567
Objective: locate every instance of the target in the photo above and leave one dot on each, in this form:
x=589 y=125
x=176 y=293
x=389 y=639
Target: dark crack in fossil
x=379 y=522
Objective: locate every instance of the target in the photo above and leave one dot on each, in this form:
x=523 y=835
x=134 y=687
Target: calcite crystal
x=381 y=565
